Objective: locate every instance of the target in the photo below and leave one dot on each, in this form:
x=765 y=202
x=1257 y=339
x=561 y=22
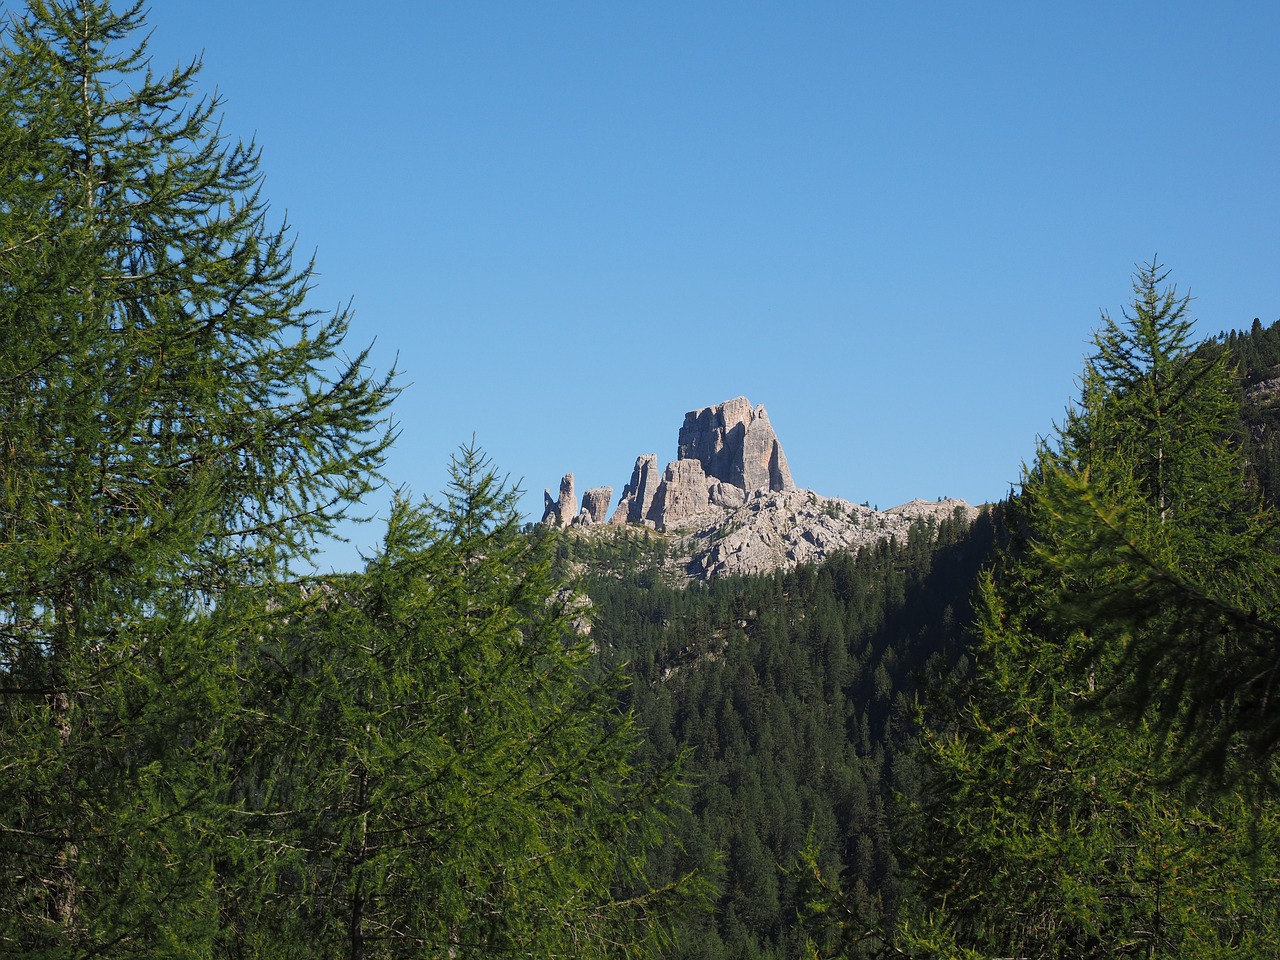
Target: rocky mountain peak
x=735 y=443
x=729 y=505
x=725 y=453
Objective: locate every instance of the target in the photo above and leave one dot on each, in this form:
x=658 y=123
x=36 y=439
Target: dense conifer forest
x=1256 y=353
x=793 y=698
x=799 y=700
x=1049 y=733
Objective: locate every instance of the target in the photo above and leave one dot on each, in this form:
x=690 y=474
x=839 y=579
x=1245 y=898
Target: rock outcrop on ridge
x=561 y=511
x=781 y=529
x=636 y=504
x=725 y=452
x=728 y=504
x=595 y=504
x=736 y=444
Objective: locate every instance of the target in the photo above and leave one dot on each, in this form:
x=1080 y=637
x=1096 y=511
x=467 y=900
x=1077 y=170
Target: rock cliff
x=595 y=504
x=725 y=453
x=736 y=444
x=727 y=504
x=560 y=512
x=636 y=504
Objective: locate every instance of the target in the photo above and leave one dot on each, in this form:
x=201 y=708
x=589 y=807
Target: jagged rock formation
x=728 y=504
x=685 y=492
x=736 y=444
x=636 y=505
x=595 y=504
x=561 y=511
x=725 y=453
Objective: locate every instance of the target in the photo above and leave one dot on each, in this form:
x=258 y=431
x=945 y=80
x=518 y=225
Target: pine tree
x=1052 y=829
x=448 y=774
x=1049 y=832
x=1153 y=542
x=178 y=424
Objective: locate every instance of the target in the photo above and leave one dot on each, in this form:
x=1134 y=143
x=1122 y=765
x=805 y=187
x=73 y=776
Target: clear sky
x=894 y=224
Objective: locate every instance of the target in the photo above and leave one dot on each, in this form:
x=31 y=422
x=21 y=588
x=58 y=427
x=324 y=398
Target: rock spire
x=730 y=503
x=725 y=453
x=735 y=443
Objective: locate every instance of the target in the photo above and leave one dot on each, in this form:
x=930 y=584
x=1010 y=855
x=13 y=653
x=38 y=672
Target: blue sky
x=893 y=224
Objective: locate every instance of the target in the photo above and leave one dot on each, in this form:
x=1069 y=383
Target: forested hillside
x=794 y=697
x=848 y=772
x=1256 y=354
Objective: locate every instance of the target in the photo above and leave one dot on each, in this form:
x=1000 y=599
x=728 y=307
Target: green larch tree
x=1058 y=823
x=1052 y=833
x=179 y=423
x=446 y=772
x=1153 y=542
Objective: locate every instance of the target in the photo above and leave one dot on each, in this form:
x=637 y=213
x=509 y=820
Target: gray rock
x=764 y=465
x=779 y=529
x=737 y=454
x=727 y=495
x=728 y=505
x=934 y=509
x=685 y=493
x=636 y=504
x=595 y=503
x=736 y=444
x=567 y=504
x=561 y=511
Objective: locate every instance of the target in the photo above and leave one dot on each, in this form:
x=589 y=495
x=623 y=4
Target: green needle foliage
x=1052 y=833
x=439 y=769
x=1103 y=792
x=178 y=424
x=1157 y=547
x=201 y=756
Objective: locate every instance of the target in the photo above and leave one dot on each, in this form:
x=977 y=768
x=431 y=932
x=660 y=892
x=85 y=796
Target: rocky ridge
x=728 y=505
x=779 y=530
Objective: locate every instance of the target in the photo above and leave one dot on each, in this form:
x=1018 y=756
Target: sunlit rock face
x=729 y=505
x=725 y=453
x=560 y=511
x=735 y=443
x=636 y=504
x=685 y=493
x=595 y=504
